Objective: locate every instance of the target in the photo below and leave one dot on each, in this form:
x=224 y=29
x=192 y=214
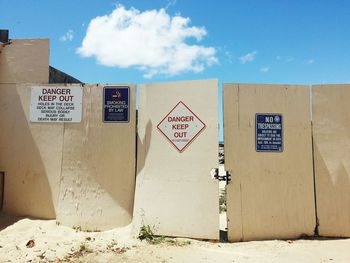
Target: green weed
x=146 y=233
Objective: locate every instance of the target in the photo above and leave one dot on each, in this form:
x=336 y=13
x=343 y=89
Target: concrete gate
x=177 y=148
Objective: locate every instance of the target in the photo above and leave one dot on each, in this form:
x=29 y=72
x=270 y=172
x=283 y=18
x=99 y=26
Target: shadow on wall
x=332 y=189
x=27 y=188
x=143 y=147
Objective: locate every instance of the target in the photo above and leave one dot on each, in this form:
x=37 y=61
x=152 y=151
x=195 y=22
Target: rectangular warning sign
x=56 y=104
x=269 y=132
x=116 y=101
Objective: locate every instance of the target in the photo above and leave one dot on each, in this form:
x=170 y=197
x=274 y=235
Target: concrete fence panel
x=98 y=167
x=331 y=133
x=272 y=193
x=175 y=194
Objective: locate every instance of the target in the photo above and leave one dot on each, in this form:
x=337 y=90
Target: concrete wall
x=82 y=173
x=25 y=61
x=331 y=131
x=271 y=194
x=174 y=191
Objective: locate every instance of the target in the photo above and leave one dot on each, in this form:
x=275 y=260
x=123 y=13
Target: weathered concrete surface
x=98 y=167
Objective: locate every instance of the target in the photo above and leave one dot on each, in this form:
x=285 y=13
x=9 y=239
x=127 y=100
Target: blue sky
x=250 y=41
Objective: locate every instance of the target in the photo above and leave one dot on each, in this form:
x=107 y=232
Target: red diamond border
x=194 y=137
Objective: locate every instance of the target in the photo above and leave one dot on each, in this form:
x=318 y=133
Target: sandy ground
x=53 y=243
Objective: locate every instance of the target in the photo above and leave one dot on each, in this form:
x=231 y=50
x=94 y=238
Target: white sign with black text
x=56 y=104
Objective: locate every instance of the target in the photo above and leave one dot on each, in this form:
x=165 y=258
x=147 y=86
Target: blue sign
x=116 y=101
x=269 y=132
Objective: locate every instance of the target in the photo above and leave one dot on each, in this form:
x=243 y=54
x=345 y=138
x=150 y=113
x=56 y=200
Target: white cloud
x=310 y=61
x=152 y=41
x=248 y=57
x=265 y=69
x=68 y=36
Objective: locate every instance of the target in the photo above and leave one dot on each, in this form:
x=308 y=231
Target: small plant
x=84 y=248
x=158 y=240
x=178 y=242
x=77 y=228
x=146 y=233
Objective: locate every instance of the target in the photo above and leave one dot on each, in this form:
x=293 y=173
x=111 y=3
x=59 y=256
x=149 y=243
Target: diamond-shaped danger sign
x=181 y=126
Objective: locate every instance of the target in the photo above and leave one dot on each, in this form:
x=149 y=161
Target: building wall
x=25 y=61
x=271 y=194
